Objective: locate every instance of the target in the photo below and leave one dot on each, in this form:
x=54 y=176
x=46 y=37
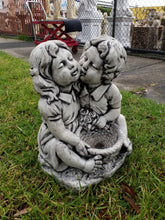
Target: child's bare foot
x=93 y=163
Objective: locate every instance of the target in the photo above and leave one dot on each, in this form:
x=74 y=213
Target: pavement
x=142 y=76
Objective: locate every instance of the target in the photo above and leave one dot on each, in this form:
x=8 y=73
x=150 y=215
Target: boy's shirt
x=101 y=99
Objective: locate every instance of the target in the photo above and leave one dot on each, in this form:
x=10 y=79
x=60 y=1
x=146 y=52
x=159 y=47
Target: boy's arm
x=114 y=104
x=109 y=116
x=112 y=114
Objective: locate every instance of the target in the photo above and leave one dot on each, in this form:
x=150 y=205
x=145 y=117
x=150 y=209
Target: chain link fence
x=147 y=27
x=138 y=24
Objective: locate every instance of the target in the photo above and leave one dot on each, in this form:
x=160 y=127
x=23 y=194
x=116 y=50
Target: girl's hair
x=41 y=59
x=112 y=53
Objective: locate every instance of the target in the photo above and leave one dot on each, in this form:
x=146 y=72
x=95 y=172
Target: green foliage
x=163 y=8
x=24 y=38
x=136 y=191
x=103 y=10
x=3 y=35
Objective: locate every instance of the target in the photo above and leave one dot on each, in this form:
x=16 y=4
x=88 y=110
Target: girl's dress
x=66 y=109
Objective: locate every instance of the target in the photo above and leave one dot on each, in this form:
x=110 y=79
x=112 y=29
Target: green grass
x=136 y=191
x=24 y=38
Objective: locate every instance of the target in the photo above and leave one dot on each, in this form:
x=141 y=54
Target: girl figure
x=55 y=73
x=101 y=62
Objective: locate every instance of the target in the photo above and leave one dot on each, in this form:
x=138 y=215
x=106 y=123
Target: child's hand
x=101 y=122
x=81 y=148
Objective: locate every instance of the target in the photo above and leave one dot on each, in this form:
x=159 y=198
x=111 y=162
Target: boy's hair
x=41 y=59
x=112 y=53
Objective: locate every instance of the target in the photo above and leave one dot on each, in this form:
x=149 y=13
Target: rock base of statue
x=107 y=142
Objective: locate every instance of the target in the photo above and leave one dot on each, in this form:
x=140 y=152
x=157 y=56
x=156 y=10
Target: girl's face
x=91 y=67
x=65 y=69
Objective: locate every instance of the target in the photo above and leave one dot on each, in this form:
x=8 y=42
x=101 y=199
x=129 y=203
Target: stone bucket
x=106 y=141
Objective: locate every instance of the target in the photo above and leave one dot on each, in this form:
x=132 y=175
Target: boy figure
x=101 y=62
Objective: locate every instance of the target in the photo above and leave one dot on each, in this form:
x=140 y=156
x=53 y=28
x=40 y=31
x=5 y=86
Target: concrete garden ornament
x=83 y=137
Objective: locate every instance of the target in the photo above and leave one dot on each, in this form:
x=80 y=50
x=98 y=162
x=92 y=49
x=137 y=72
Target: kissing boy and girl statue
x=83 y=137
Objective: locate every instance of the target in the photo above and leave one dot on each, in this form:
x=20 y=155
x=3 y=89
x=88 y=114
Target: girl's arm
x=61 y=133
x=57 y=128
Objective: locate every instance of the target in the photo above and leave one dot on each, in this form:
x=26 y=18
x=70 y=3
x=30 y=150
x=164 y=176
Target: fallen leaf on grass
x=102 y=213
x=128 y=189
x=140 y=92
x=150 y=118
x=22 y=212
x=129 y=195
x=132 y=204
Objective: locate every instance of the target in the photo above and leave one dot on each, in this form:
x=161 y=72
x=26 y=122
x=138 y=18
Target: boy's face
x=91 y=67
x=65 y=69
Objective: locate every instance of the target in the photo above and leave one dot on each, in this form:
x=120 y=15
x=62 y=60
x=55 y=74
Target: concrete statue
x=89 y=5
x=48 y=12
x=123 y=21
x=57 y=9
x=71 y=11
x=83 y=137
x=88 y=8
x=104 y=25
x=91 y=20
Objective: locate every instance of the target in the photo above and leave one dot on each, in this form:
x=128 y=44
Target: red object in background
x=44 y=30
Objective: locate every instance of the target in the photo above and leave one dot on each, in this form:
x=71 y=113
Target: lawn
x=136 y=191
